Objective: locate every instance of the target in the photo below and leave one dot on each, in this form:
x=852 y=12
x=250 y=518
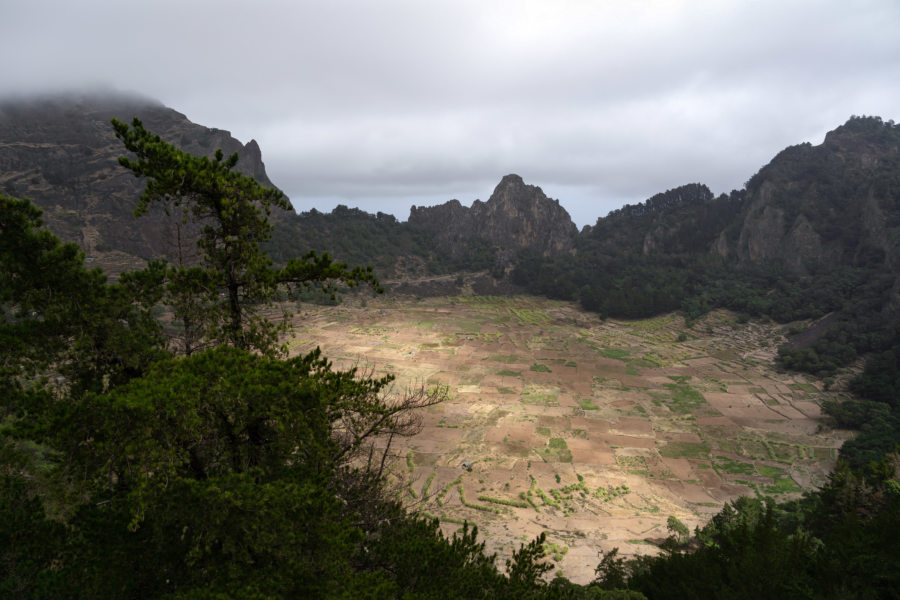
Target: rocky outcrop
x=515 y=217
x=61 y=153
x=832 y=204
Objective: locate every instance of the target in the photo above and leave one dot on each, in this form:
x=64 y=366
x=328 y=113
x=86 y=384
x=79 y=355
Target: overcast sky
x=385 y=104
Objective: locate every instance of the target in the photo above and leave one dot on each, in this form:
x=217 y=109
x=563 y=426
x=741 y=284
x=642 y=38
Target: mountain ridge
x=809 y=207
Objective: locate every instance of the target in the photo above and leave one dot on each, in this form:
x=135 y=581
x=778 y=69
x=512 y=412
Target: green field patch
x=684 y=450
x=586 y=404
x=653 y=359
x=630 y=369
x=770 y=471
x=570 y=363
x=539 y=395
x=733 y=467
x=509 y=373
x=683 y=398
x=786 y=453
x=539 y=368
x=527 y=315
x=556 y=451
x=756 y=449
x=297 y=343
x=653 y=324
x=782 y=485
x=506 y=390
x=615 y=353
x=544 y=431
x=804 y=387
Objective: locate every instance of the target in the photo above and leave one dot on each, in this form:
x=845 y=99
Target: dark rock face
x=61 y=153
x=516 y=216
x=837 y=203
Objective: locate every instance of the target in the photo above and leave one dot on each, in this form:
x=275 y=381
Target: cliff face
x=62 y=154
x=831 y=204
x=515 y=217
x=810 y=208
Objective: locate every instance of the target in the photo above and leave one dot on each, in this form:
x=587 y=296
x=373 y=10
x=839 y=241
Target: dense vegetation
x=138 y=461
x=391 y=247
x=838 y=542
x=349 y=234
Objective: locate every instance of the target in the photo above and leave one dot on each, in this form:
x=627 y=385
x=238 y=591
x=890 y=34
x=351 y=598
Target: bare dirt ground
x=592 y=431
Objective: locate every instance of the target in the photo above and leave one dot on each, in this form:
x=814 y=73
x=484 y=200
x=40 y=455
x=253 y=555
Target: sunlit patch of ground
x=593 y=431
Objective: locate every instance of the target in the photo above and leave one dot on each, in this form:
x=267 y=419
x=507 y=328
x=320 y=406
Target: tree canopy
x=219 y=300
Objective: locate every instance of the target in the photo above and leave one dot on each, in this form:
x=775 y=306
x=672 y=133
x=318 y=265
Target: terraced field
x=592 y=431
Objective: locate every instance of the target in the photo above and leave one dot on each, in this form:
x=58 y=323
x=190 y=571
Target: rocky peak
x=816 y=206
x=516 y=216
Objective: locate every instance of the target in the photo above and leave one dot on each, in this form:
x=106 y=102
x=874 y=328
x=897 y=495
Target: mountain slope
x=835 y=203
x=62 y=154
